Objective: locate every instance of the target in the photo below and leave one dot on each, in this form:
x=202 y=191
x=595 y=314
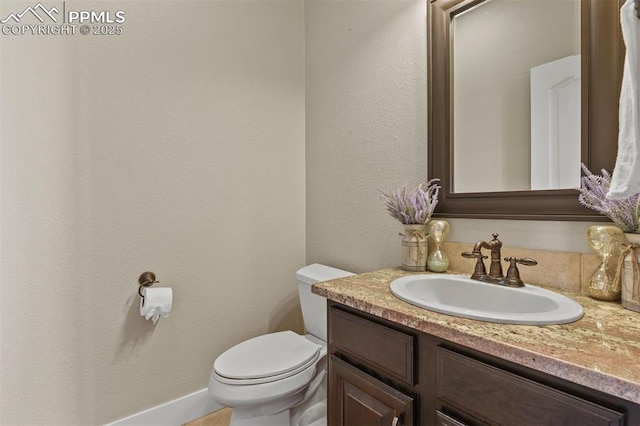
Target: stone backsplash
x=563 y=270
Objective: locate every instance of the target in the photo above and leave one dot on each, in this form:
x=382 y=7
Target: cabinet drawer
x=384 y=349
x=498 y=397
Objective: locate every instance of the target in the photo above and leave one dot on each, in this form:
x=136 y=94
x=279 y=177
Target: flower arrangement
x=593 y=194
x=412 y=206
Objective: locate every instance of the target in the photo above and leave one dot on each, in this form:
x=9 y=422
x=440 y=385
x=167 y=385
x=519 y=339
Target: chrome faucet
x=495 y=275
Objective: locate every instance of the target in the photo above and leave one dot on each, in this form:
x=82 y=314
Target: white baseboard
x=173 y=413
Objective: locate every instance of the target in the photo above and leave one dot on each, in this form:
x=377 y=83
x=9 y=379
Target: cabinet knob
x=395 y=421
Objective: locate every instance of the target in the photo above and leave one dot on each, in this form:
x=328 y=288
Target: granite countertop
x=600 y=351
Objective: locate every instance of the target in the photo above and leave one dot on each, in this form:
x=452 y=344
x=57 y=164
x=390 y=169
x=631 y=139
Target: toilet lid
x=266 y=358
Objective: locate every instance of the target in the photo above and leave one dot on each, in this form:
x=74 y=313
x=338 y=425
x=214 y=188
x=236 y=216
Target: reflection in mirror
x=601 y=56
x=516 y=96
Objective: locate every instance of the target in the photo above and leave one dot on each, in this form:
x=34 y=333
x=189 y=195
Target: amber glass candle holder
x=605 y=241
x=438 y=232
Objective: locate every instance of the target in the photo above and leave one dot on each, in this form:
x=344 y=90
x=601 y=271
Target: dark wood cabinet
x=444 y=420
x=383 y=373
x=384 y=349
x=494 y=396
x=360 y=399
x=371 y=372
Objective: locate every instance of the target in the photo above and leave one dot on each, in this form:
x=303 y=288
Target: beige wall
x=177 y=147
x=366 y=109
x=366 y=130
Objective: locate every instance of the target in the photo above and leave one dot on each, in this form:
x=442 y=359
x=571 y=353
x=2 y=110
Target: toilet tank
x=314 y=307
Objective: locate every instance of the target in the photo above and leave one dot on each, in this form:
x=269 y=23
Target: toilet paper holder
x=146 y=279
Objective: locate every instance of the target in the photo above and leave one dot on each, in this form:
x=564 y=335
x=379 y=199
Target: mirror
x=481 y=137
x=516 y=95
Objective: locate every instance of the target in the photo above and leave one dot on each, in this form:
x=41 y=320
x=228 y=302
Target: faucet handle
x=513 y=275
x=473 y=255
x=526 y=261
x=479 y=271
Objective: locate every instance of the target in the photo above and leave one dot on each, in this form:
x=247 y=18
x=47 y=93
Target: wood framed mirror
x=601 y=62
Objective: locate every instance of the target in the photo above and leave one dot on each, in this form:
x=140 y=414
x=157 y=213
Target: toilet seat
x=266 y=358
x=272 y=397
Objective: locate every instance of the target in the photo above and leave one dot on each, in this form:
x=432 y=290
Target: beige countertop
x=600 y=351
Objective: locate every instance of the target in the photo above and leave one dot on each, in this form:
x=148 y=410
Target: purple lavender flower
x=593 y=194
x=412 y=206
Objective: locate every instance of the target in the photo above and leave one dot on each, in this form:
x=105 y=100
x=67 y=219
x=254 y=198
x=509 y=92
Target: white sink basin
x=463 y=297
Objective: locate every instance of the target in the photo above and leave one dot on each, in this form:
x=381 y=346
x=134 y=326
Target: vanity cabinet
x=383 y=373
x=371 y=372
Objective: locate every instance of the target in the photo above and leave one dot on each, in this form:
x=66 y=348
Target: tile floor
x=217 y=418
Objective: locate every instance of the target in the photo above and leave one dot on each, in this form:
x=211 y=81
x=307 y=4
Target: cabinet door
x=443 y=419
x=357 y=399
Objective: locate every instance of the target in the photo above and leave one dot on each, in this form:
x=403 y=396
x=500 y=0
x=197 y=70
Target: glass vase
x=414 y=248
x=630 y=279
x=605 y=241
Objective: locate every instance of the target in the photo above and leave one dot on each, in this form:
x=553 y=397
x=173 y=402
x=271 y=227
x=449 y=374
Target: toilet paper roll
x=156 y=303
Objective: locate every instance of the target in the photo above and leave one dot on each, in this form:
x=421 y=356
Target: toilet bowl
x=279 y=379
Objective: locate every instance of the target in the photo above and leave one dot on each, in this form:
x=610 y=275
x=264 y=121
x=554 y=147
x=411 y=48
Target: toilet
x=279 y=379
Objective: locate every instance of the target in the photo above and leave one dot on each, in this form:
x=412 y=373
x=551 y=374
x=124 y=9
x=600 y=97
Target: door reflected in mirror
x=516 y=96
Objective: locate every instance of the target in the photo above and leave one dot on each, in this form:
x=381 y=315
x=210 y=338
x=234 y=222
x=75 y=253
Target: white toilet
x=279 y=379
